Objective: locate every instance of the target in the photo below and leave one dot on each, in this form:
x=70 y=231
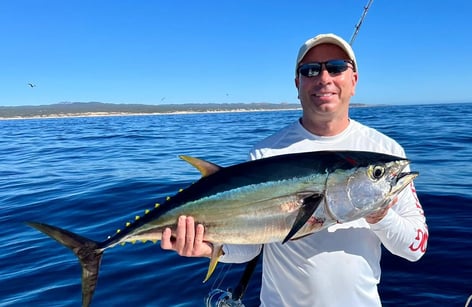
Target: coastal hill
x=69 y=109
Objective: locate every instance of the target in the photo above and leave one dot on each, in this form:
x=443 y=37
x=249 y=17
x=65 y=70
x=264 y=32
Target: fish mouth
x=402 y=180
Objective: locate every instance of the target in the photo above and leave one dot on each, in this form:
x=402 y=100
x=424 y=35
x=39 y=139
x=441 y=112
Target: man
x=339 y=266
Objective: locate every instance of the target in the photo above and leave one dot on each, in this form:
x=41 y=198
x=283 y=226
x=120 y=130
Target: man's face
x=326 y=94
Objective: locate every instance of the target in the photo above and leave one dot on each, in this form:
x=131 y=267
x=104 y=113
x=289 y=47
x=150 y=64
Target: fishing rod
x=361 y=20
x=232 y=298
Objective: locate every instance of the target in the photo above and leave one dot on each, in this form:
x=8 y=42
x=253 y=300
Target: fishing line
x=361 y=20
x=220 y=277
x=229 y=298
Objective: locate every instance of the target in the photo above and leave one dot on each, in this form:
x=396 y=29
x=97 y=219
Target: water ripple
x=92 y=175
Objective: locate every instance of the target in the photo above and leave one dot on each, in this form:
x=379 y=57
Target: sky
x=221 y=51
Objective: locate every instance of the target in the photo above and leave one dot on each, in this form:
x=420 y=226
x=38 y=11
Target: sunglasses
x=334 y=67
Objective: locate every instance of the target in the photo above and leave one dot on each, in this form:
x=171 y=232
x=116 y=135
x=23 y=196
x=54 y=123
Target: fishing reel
x=230 y=297
x=222 y=298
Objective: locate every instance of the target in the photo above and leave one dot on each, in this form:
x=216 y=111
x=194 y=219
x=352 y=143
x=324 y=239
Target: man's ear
x=354 y=83
x=297 y=84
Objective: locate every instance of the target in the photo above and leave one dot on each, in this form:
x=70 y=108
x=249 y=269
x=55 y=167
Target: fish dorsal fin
x=216 y=254
x=309 y=205
x=206 y=168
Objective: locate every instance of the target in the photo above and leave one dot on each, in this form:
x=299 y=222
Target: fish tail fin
x=88 y=252
x=217 y=252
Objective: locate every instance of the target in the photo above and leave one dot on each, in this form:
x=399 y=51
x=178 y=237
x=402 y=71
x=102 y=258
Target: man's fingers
x=197 y=244
x=189 y=236
x=180 y=234
x=166 y=242
x=188 y=239
x=394 y=201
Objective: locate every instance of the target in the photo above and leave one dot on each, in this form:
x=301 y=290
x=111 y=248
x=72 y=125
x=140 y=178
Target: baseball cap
x=325 y=39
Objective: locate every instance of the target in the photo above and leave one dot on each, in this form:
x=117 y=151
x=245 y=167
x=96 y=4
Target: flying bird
x=32 y=85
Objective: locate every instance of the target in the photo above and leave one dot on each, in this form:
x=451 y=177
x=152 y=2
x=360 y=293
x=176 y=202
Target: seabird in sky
x=31 y=84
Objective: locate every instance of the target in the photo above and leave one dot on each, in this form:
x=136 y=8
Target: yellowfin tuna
x=268 y=200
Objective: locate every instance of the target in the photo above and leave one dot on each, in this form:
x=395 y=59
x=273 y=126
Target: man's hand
x=379 y=215
x=188 y=240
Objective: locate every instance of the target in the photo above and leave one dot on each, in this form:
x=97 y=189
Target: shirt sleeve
x=239 y=253
x=403 y=231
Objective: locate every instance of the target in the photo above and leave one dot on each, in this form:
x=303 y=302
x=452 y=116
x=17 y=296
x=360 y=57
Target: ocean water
x=92 y=175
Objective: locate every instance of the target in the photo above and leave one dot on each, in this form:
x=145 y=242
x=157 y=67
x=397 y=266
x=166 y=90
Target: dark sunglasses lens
x=310 y=69
x=333 y=67
x=336 y=66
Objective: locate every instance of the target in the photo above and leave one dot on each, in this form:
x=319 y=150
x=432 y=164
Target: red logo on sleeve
x=420 y=241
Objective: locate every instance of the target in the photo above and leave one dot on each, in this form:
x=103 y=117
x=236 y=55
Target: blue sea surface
x=91 y=175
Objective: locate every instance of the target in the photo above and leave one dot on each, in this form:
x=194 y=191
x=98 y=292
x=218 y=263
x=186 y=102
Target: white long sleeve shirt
x=338 y=266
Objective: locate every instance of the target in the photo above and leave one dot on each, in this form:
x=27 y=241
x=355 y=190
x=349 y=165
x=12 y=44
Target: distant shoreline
x=98 y=109
x=112 y=114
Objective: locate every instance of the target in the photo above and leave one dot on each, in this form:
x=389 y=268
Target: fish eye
x=378 y=171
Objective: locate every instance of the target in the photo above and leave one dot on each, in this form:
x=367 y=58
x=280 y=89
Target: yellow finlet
x=217 y=253
x=206 y=168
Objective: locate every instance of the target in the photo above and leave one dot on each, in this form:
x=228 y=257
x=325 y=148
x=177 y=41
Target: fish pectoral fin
x=217 y=253
x=206 y=168
x=308 y=207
